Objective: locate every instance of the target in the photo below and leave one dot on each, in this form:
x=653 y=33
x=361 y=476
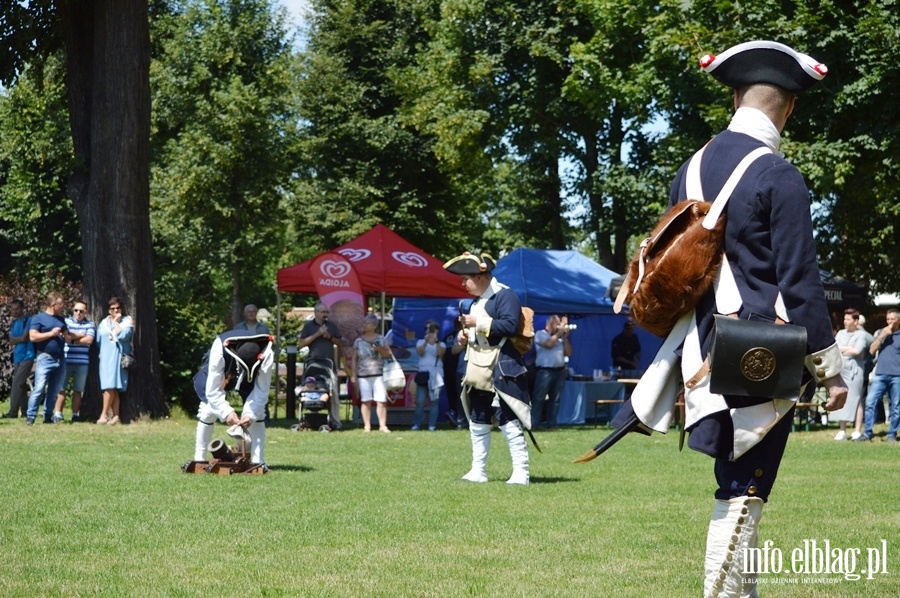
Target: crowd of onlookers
x=871 y=371
x=53 y=351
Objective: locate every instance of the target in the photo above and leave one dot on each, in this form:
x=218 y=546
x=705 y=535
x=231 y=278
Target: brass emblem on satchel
x=758 y=364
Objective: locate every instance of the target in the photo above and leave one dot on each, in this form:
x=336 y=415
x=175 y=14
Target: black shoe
x=8 y=416
x=454 y=419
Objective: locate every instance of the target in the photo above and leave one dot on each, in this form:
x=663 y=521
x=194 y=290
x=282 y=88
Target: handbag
x=421 y=378
x=392 y=373
x=127 y=362
x=480 y=364
x=757 y=359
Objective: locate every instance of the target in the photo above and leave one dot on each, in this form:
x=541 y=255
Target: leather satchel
x=756 y=359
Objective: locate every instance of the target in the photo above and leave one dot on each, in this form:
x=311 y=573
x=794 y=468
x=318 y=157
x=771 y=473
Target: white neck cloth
x=756 y=124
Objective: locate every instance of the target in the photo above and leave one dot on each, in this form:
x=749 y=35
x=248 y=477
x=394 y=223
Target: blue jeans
x=49 y=375
x=881 y=384
x=422 y=394
x=548 y=383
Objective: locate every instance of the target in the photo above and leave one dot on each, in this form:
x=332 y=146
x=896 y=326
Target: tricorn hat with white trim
x=764 y=62
x=470 y=265
x=248 y=352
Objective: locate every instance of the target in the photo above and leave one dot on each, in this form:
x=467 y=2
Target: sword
x=630 y=424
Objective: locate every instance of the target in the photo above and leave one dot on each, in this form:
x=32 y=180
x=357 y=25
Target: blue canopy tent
x=569 y=283
x=549 y=282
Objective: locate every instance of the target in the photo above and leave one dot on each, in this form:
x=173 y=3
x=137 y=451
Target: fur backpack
x=524 y=338
x=678 y=263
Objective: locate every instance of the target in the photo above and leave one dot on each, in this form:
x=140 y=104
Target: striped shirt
x=78 y=353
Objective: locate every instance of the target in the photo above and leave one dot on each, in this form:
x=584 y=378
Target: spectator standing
x=852 y=343
x=626 y=349
x=454 y=368
x=81 y=336
x=367 y=364
x=429 y=376
x=551 y=347
x=887 y=377
x=321 y=335
x=869 y=366
x=47 y=330
x=250 y=323
x=114 y=336
x=23 y=359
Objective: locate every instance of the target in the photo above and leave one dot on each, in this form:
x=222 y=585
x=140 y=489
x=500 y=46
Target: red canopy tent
x=387 y=264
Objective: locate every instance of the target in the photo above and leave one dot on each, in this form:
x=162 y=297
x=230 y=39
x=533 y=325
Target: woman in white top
x=369 y=351
x=430 y=376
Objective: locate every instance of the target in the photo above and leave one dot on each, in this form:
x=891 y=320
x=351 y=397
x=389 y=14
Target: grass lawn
x=97 y=510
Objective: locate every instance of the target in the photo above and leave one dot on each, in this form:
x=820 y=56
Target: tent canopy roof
x=556 y=281
x=385 y=262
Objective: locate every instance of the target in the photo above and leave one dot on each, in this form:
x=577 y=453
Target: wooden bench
x=607 y=403
x=802 y=414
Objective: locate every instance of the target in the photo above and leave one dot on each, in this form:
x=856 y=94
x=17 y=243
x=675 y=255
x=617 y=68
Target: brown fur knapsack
x=524 y=338
x=674 y=267
x=680 y=259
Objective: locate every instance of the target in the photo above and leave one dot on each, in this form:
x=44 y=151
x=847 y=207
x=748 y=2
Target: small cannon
x=225 y=460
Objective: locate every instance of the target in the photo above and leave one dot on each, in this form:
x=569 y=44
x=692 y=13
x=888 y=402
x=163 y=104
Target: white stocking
x=733 y=528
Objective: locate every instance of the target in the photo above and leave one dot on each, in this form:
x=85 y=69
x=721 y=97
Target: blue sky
x=296 y=8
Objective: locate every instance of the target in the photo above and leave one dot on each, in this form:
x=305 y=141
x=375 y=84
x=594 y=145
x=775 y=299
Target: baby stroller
x=316 y=395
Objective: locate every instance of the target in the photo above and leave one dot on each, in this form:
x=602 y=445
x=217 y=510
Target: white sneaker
x=842 y=435
x=855 y=435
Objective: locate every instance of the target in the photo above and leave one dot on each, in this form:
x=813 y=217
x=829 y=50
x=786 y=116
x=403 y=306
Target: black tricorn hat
x=764 y=62
x=470 y=265
x=248 y=352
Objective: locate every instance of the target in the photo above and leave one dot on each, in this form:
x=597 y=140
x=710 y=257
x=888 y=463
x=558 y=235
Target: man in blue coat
x=769 y=273
x=495 y=384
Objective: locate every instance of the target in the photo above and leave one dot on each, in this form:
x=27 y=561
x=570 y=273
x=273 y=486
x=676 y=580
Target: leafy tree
x=360 y=163
x=843 y=135
x=38 y=225
x=513 y=91
x=107 y=52
x=224 y=124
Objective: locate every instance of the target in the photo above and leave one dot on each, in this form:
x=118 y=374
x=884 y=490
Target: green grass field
x=98 y=510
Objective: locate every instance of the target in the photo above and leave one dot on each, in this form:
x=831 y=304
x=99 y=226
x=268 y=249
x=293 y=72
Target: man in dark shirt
x=321 y=336
x=49 y=334
x=626 y=349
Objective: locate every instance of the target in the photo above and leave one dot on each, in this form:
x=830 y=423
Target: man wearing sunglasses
x=82 y=332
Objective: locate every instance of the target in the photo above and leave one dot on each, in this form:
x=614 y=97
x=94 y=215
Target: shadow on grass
x=302 y=468
x=552 y=480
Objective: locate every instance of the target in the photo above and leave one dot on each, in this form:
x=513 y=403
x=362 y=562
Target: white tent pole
x=277 y=348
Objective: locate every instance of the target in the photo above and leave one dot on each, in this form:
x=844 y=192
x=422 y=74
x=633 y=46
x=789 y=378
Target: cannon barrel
x=220 y=450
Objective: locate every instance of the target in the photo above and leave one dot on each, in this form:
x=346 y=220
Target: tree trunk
x=108 y=68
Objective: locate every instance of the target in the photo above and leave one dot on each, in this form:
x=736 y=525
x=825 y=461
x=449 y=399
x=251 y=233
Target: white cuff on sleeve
x=825 y=363
x=483 y=325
